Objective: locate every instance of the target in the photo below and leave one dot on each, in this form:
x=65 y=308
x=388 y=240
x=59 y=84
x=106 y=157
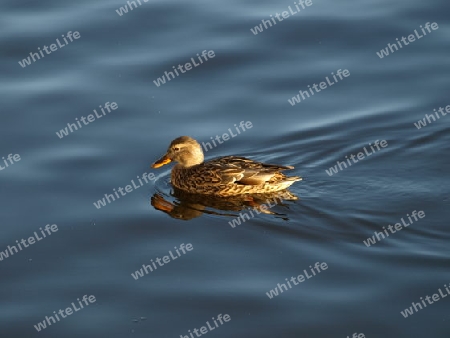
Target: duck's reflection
x=187 y=206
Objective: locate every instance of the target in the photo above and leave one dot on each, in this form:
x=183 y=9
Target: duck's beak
x=162 y=161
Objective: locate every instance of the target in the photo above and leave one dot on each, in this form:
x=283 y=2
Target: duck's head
x=184 y=150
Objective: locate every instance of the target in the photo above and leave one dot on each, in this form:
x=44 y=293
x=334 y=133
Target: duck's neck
x=196 y=158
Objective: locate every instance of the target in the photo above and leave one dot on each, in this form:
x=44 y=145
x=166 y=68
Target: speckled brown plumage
x=224 y=176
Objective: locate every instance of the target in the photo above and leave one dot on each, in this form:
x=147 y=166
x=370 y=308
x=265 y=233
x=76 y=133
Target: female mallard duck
x=223 y=176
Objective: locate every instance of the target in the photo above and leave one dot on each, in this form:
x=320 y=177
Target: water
x=230 y=270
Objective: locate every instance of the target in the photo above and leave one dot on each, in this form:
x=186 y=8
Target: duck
x=223 y=176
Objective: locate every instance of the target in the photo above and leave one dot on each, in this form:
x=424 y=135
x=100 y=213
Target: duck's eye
x=176 y=149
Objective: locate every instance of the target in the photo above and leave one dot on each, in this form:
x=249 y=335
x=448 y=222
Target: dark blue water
x=230 y=270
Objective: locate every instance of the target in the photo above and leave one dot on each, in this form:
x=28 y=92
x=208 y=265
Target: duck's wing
x=241 y=170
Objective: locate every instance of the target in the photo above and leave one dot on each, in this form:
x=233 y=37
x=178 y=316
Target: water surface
x=251 y=78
